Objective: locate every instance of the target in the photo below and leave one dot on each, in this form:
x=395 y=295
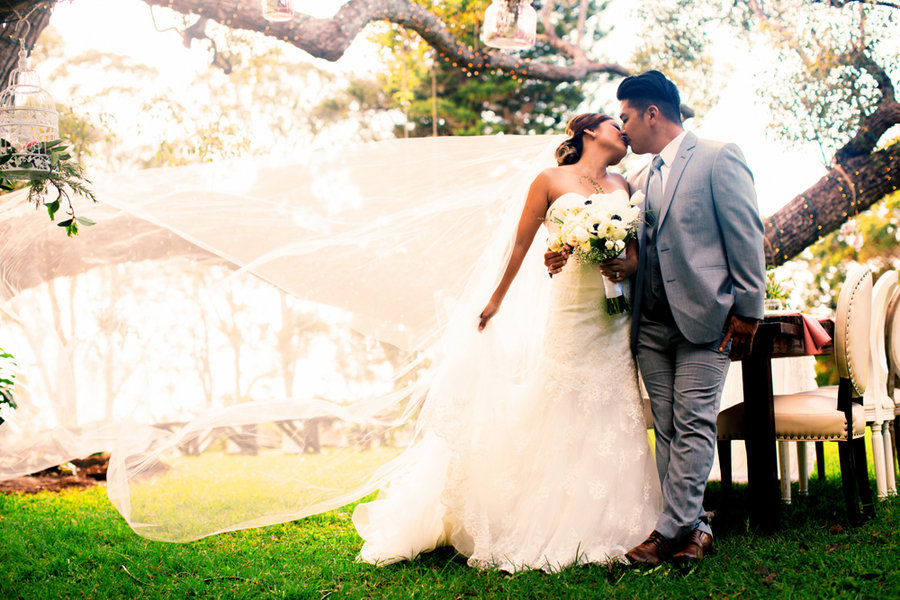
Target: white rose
x=581 y=235
x=620 y=245
x=610 y=244
x=631 y=214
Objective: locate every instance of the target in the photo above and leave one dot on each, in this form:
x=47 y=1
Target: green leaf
x=52 y=207
x=72 y=229
x=65 y=223
x=85 y=221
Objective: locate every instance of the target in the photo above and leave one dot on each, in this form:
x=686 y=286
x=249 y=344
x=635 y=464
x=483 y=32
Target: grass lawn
x=75 y=545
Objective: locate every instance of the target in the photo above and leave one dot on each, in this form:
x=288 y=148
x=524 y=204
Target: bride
x=542 y=469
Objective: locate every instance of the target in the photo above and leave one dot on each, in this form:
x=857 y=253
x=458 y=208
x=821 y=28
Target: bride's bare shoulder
x=618 y=181
x=553 y=174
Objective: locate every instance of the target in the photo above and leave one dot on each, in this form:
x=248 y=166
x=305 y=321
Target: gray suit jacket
x=710 y=240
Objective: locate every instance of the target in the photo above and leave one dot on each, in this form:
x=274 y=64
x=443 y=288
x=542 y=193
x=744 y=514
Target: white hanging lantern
x=278 y=10
x=510 y=24
x=27 y=117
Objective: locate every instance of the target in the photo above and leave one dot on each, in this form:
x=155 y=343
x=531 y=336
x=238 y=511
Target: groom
x=698 y=296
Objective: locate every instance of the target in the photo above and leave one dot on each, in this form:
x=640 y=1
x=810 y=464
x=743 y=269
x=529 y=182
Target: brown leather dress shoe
x=695 y=546
x=651 y=551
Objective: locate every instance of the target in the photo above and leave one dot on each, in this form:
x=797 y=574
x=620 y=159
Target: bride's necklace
x=598 y=189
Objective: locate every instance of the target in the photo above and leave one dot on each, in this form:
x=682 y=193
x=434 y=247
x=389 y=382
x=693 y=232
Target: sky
x=128 y=29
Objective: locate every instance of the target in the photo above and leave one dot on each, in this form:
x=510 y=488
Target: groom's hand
x=740 y=332
x=554 y=261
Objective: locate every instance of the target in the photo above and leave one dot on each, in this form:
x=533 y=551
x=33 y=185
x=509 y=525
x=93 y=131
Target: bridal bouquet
x=599 y=231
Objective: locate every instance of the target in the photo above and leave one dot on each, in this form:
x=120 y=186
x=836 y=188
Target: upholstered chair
x=827 y=414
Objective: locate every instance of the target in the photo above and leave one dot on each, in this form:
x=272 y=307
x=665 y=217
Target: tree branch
x=846 y=190
x=885 y=86
x=330 y=38
x=842 y=3
x=871 y=130
x=573 y=51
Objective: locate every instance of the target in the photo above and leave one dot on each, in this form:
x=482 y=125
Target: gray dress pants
x=685 y=382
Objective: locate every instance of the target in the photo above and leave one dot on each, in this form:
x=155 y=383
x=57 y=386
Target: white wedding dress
x=547 y=470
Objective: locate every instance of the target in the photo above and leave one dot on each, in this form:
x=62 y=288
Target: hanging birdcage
x=278 y=10
x=28 y=120
x=510 y=24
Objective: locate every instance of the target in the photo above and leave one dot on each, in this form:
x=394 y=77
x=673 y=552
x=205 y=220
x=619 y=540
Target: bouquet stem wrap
x=616 y=302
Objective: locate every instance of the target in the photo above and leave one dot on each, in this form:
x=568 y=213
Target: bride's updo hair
x=570 y=150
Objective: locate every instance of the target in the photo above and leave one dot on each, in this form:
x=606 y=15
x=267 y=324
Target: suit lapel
x=685 y=152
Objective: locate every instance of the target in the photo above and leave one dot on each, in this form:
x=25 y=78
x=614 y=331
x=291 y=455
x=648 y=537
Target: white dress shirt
x=668 y=155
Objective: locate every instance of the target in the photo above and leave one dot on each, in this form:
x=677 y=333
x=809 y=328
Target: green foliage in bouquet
x=7 y=380
x=617 y=305
x=49 y=169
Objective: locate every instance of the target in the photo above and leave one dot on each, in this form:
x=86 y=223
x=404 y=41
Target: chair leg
x=820 y=460
x=803 y=467
x=848 y=482
x=862 y=477
x=894 y=439
x=889 y=459
x=784 y=461
x=724 y=447
x=878 y=458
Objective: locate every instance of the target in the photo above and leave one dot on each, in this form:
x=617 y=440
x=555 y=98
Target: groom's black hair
x=653 y=88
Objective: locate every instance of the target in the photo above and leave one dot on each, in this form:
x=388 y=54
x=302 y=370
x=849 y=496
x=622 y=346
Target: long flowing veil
x=254 y=343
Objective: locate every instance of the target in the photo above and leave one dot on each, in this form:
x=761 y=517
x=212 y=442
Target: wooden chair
x=892 y=352
x=878 y=405
x=827 y=414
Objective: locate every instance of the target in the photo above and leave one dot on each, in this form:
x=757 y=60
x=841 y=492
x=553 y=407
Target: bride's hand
x=554 y=261
x=489 y=311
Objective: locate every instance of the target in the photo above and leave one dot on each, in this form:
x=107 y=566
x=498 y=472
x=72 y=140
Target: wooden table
x=778 y=336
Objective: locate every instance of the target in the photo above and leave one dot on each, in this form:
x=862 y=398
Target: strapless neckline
x=578 y=199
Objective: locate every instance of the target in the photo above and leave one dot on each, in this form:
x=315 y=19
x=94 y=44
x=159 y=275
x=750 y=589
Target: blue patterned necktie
x=654 y=193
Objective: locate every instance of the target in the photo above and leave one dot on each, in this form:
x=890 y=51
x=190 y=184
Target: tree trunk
x=12 y=30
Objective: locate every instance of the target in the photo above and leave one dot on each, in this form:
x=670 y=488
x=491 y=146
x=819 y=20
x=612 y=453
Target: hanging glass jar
x=510 y=24
x=28 y=118
x=278 y=10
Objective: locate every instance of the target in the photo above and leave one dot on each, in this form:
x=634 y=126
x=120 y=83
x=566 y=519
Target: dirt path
x=89 y=472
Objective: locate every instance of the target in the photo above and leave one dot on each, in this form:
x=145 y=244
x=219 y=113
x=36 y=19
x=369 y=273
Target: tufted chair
x=832 y=414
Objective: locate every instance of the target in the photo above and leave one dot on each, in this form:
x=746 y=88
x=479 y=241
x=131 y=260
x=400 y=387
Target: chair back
x=892 y=339
x=852 y=322
x=876 y=389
